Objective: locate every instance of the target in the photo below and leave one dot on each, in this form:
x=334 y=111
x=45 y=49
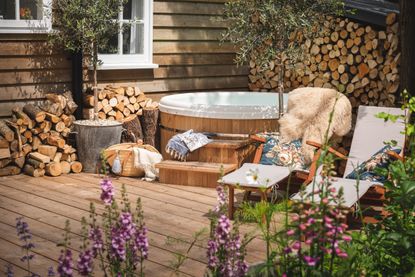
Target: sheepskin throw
x=308 y=117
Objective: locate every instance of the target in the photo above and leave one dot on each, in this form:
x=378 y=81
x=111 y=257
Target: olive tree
x=86 y=26
x=267 y=29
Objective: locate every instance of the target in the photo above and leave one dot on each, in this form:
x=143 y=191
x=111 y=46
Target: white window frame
x=132 y=61
x=21 y=26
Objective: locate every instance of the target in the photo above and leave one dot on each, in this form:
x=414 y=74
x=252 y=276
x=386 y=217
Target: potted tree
x=266 y=30
x=87 y=26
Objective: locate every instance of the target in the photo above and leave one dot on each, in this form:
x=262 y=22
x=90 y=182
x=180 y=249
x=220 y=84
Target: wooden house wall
x=29 y=68
x=186 y=46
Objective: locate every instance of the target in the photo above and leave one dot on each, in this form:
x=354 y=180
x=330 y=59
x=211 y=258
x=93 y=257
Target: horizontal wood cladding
x=188 y=84
x=194 y=59
x=180 y=34
x=186 y=46
x=30 y=68
x=170 y=72
x=195 y=21
x=183 y=7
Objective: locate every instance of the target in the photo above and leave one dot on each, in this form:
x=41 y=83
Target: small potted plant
x=87 y=26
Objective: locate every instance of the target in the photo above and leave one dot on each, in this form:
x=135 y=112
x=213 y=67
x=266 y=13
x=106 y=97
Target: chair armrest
x=257 y=138
x=330 y=149
x=394 y=155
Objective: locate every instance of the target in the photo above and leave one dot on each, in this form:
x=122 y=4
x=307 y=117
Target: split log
x=34 y=172
x=27 y=148
x=34 y=112
x=36 y=142
x=19 y=161
x=6 y=132
x=46 y=126
x=67 y=120
x=149 y=121
x=52 y=118
x=4 y=153
x=9 y=170
x=56 y=141
x=53 y=169
x=76 y=167
x=47 y=150
x=5 y=162
x=35 y=163
x=52 y=107
x=66 y=167
x=57 y=157
x=3 y=142
x=39 y=157
x=24 y=117
x=133 y=131
x=59 y=127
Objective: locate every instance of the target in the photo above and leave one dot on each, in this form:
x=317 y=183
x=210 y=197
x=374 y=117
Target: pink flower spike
x=310 y=260
x=347 y=238
x=290 y=232
x=302 y=226
x=325 y=200
x=342 y=255
x=311 y=221
x=296 y=245
x=295 y=217
x=328 y=219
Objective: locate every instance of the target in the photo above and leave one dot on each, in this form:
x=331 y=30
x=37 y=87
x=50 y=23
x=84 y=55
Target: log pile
x=35 y=140
x=117 y=103
x=357 y=60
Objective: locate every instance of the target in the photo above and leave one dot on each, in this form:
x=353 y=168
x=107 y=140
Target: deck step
x=224 y=152
x=199 y=174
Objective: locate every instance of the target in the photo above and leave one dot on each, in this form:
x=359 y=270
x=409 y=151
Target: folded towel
x=180 y=145
x=147 y=160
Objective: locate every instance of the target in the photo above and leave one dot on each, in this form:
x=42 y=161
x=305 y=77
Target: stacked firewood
x=355 y=59
x=117 y=103
x=35 y=139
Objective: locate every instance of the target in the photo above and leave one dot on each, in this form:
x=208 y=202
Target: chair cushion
x=278 y=153
x=366 y=170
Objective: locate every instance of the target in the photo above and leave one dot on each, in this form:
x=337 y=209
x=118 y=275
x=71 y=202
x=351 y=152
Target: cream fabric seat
x=368 y=138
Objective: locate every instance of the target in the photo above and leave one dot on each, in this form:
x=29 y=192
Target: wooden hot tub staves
x=173 y=124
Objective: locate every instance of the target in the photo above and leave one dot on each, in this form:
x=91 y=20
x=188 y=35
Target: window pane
x=133 y=39
x=31 y=9
x=7 y=9
x=134 y=9
x=112 y=47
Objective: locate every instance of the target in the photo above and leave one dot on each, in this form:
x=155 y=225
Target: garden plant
x=265 y=29
x=86 y=27
x=114 y=243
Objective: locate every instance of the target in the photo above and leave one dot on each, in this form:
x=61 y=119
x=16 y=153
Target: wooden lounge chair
x=369 y=137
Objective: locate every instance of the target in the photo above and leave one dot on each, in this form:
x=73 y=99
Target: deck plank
x=46 y=203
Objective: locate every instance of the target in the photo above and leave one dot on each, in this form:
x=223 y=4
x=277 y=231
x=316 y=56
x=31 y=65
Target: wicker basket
x=126 y=155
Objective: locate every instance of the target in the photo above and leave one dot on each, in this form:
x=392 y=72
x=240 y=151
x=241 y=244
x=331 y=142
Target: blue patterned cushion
x=366 y=170
x=282 y=154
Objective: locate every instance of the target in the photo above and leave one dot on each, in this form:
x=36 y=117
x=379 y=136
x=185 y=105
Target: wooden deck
x=46 y=203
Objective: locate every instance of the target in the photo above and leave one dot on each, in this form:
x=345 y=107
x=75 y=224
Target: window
x=132 y=47
x=25 y=16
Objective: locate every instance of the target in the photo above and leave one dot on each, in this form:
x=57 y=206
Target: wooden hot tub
x=224 y=113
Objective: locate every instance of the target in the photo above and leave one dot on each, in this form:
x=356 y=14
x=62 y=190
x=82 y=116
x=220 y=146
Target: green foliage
x=388 y=247
x=263 y=28
x=83 y=25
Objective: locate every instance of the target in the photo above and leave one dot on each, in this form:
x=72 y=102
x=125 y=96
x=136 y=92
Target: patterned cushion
x=282 y=154
x=366 y=170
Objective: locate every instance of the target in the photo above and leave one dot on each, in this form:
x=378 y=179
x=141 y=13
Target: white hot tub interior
x=224 y=105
